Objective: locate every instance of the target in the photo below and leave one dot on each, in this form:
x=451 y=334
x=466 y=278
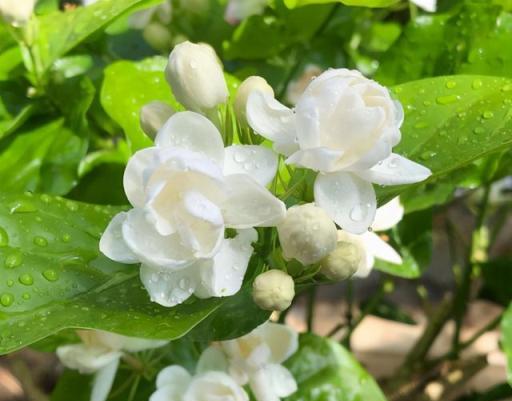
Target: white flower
x=250 y=84
x=238 y=10
x=161 y=12
x=344 y=126
x=17 y=12
x=174 y=383
x=100 y=353
x=307 y=234
x=185 y=191
x=427 y=5
x=256 y=359
x=370 y=244
x=273 y=290
x=196 y=78
x=153 y=117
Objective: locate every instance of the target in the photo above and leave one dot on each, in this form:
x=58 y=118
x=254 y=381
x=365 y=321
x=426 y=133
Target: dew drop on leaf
x=40 y=241
x=449 y=99
x=6 y=299
x=13 y=260
x=26 y=279
x=50 y=275
x=4 y=238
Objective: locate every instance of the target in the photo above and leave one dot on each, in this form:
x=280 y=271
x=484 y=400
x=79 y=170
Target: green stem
x=349 y=315
x=462 y=295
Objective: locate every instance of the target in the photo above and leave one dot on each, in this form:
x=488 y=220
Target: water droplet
x=6 y=299
x=507 y=88
x=40 y=241
x=451 y=84
x=26 y=279
x=26 y=296
x=477 y=84
x=50 y=275
x=45 y=198
x=4 y=238
x=184 y=283
x=10 y=283
x=444 y=100
x=22 y=206
x=488 y=115
x=478 y=130
x=427 y=103
x=72 y=206
x=13 y=260
x=66 y=237
x=394 y=162
x=358 y=213
x=240 y=156
x=421 y=124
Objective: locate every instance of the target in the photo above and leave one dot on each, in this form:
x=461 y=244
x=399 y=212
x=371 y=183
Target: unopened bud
x=348 y=257
x=157 y=36
x=251 y=84
x=153 y=116
x=307 y=234
x=17 y=12
x=273 y=290
x=196 y=78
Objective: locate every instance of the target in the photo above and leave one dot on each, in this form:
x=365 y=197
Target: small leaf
x=506 y=341
x=356 y=3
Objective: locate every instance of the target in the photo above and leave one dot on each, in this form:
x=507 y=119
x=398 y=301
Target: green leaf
x=506 y=341
x=54 y=278
x=497 y=276
x=324 y=370
x=41 y=158
x=357 y=3
x=130 y=85
x=59 y=32
x=451 y=122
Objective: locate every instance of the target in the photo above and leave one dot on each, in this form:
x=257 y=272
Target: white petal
x=282 y=340
x=427 y=5
x=169 y=288
x=217 y=386
x=257 y=161
x=380 y=249
x=248 y=204
x=167 y=393
x=212 y=358
x=152 y=248
x=112 y=243
x=224 y=276
x=103 y=381
x=270 y=118
x=280 y=380
x=86 y=359
x=388 y=216
x=349 y=201
x=192 y=131
x=118 y=342
x=318 y=159
x=395 y=170
x=139 y=168
x=175 y=376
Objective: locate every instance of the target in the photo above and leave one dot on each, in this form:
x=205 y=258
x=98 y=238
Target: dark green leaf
x=324 y=370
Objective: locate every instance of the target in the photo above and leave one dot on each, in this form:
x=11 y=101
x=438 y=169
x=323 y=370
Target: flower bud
x=17 y=12
x=153 y=116
x=345 y=260
x=196 y=78
x=250 y=84
x=273 y=290
x=157 y=36
x=307 y=234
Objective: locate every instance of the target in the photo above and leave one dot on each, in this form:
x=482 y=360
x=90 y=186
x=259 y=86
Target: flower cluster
x=225 y=367
x=188 y=189
x=100 y=353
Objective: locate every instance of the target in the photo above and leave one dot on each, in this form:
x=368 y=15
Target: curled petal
x=86 y=359
x=318 y=159
x=215 y=386
x=139 y=168
x=349 y=200
x=257 y=161
x=388 y=215
x=112 y=243
x=164 y=252
x=103 y=381
x=282 y=340
x=170 y=288
x=395 y=170
x=271 y=119
x=380 y=249
x=192 y=131
x=175 y=376
x=248 y=204
x=223 y=275
x=212 y=358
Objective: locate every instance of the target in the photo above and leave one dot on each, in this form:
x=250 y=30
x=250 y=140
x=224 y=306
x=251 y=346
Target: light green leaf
x=357 y=3
x=452 y=121
x=506 y=341
x=324 y=370
x=59 y=32
x=54 y=278
x=130 y=85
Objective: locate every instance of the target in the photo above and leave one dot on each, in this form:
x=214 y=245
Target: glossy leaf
x=451 y=122
x=66 y=30
x=130 y=85
x=324 y=370
x=54 y=277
